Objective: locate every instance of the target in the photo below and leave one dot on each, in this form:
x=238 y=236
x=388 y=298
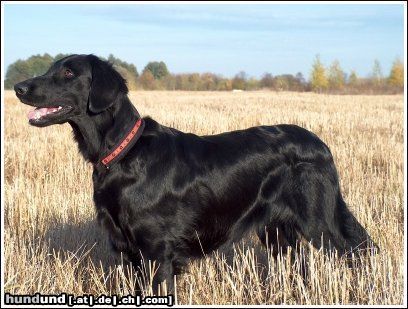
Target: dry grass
x=53 y=245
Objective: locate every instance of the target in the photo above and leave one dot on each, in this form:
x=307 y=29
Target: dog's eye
x=68 y=73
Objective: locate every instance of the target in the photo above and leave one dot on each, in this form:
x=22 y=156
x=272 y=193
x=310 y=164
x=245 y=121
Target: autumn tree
x=239 y=81
x=130 y=77
x=181 y=81
x=156 y=76
x=169 y=82
x=147 y=80
x=208 y=81
x=194 y=81
x=318 y=77
x=396 y=78
x=336 y=76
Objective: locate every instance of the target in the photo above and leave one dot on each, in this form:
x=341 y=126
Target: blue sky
x=219 y=38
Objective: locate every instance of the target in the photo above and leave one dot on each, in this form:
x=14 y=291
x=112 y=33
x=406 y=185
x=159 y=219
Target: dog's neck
x=98 y=133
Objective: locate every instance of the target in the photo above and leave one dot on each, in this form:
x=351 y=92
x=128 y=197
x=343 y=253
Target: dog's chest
x=113 y=197
x=111 y=214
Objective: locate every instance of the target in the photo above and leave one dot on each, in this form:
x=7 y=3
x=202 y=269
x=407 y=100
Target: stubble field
x=52 y=243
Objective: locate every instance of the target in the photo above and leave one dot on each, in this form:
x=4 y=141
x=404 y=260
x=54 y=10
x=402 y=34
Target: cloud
x=246 y=17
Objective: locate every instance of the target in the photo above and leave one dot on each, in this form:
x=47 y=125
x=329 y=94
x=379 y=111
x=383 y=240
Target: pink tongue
x=40 y=112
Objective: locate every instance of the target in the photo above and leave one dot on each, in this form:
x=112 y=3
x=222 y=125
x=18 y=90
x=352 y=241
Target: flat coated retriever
x=170 y=196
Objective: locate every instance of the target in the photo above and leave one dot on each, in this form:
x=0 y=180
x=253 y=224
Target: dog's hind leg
x=325 y=219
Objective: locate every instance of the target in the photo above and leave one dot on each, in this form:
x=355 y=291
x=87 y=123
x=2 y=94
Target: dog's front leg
x=117 y=240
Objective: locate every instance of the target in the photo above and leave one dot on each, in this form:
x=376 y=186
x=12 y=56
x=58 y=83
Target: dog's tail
x=355 y=235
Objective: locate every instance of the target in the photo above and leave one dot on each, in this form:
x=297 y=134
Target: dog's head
x=75 y=86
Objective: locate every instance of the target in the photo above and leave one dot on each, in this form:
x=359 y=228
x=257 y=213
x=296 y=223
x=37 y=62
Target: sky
x=218 y=38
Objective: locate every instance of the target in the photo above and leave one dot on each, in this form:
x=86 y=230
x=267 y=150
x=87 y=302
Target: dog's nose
x=21 y=88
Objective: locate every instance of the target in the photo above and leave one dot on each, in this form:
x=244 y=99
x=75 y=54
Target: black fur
x=175 y=195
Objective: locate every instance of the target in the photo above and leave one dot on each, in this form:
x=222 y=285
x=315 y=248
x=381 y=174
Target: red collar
x=121 y=148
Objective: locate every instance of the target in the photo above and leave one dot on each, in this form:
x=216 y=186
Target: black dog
x=170 y=196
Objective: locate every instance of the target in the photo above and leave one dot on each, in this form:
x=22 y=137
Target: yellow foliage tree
x=128 y=76
x=396 y=77
x=318 y=77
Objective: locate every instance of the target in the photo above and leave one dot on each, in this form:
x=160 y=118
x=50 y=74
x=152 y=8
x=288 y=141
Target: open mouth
x=42 y=114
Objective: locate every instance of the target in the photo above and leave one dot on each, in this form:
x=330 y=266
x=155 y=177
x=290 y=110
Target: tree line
x=156 y=76
x=334 y=80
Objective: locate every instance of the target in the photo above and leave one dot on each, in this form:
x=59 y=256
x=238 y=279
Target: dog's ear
x=106 y=85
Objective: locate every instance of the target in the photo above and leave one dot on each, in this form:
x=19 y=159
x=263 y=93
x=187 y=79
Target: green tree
x=23 y=69
x=120 y=63
x=38 y=64
x=336 y=76
x=252 y=84
x=158 y=69
x=224 y=84
x=318 y=77
x=376 y=75
x=16 y=72
x=353 y=79
x=396 y=78
x=60 y=56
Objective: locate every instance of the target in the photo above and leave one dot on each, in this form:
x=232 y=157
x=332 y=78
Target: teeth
x=54 y=110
